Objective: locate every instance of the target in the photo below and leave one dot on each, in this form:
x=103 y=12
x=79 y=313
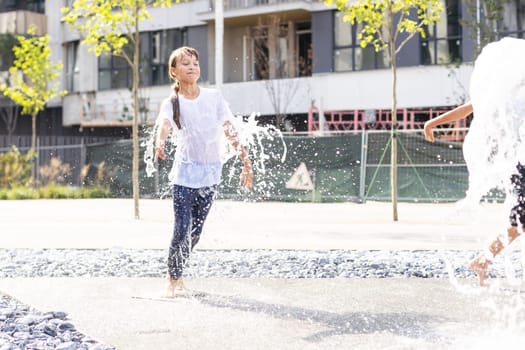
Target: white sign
x=300 y=179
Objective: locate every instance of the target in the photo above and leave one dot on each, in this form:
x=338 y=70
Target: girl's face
x=187 y=69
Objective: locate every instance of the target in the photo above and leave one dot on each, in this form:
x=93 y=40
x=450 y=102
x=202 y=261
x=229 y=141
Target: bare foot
x=174 y=287
x=480 y=266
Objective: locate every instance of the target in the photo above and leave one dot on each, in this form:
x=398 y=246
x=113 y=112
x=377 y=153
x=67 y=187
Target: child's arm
x=233 y=137
x=162 y=133
x=457 y=113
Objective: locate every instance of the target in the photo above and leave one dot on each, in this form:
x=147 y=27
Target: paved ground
x=109 y=223
x=270 y=313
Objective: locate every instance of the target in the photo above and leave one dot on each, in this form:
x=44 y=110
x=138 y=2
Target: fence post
x=82 y=160
x=362 y=173
x=37 y=161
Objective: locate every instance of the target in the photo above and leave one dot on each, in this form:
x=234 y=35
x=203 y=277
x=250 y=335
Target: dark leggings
x=190 y=207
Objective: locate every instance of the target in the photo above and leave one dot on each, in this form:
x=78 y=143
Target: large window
x=28 y=5
x=279 y=49
x=114 y=72
x=155 y=48
x=72 y=67
x=348 y=53
x=442 y=44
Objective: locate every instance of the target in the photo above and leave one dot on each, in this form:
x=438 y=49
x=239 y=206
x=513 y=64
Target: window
x=114 y=72
x=304 y=49
x=279 y=50
x=442 y=44
x=29 y=5
x=157 y=47
x=513 y=18
x=72 y=67
x=7 y=41
x=348 y=53
x=36 y=6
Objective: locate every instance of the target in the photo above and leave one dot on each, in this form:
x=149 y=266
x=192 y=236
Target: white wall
x=417 y=87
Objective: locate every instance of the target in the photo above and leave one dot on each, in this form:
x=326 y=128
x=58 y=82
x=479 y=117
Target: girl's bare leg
x=480 y=264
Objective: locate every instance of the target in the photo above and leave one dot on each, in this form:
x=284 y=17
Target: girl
x=199 y=117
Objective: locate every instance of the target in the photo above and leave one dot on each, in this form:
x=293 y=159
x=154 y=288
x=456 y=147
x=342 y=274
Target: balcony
x=18 y=22
x=235 y=10
x=243 y=4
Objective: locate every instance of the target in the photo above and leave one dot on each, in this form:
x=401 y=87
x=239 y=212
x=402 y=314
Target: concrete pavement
x=260 y=313
x=106 y=223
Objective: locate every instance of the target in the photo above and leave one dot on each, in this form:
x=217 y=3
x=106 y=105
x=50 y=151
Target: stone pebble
x=26 y=328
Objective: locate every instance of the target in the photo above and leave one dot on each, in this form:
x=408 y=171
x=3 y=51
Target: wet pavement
x=267 y=313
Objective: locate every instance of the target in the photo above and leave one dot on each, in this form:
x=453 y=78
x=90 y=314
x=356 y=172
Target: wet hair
x=176 y=56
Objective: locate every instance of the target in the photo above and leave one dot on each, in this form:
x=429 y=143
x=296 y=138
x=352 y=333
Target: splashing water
x=495 y=142
x=494 y=146
x=251 y=135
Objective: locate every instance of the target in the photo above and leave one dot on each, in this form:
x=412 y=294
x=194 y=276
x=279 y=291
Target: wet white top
x=201 y=140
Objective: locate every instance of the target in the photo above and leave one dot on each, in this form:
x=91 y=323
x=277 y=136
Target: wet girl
x=199 y=118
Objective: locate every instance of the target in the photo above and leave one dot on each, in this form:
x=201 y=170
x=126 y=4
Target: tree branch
x=410 y=36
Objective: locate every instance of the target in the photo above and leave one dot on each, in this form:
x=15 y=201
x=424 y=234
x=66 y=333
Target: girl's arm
x=456 y=114
x=163 y=131
x=247 y=171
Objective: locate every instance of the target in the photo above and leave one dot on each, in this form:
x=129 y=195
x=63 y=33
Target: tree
x=389 y=25
x=31 y=74
x=111 y=27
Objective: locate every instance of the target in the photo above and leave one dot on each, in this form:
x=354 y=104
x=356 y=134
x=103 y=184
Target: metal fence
x=353 y=166
x=70 y=150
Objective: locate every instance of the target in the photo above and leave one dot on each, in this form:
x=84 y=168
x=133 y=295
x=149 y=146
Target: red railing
x=381 y=119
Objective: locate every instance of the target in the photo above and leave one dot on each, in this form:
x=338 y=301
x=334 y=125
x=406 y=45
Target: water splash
x=494 y=146
x=495 y=142
x=251 y=135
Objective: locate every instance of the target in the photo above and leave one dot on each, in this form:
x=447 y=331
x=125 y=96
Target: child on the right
x=517 y=214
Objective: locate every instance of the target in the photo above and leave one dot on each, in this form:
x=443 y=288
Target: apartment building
x=283 y=59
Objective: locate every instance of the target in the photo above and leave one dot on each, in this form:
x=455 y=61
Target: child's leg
x=201 y=208
x=179 y=247
x=517 y=216
x=480 y=264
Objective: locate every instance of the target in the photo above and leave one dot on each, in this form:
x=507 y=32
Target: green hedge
x=54 y=192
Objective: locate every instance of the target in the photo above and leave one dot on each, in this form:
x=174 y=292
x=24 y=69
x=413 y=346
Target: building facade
x=281 y=59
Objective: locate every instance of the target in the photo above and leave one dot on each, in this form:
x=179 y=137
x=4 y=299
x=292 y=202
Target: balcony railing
x=242 y=4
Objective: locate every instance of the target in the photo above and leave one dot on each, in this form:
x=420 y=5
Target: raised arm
x=456 y=114
x=247 y=170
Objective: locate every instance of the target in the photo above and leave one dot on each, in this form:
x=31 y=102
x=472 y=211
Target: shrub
x=55 y=172
x=15 y=168
x=54 y=192
x=95 y=175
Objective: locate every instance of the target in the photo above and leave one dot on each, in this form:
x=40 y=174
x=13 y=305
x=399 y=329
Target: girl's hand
x=428 y=131
x=247 y=175
x=159 y=150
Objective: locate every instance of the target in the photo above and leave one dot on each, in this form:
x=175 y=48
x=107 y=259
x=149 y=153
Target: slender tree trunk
x=33 y=147
x=394 y=143
x=393 y=158
x=135 y=129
